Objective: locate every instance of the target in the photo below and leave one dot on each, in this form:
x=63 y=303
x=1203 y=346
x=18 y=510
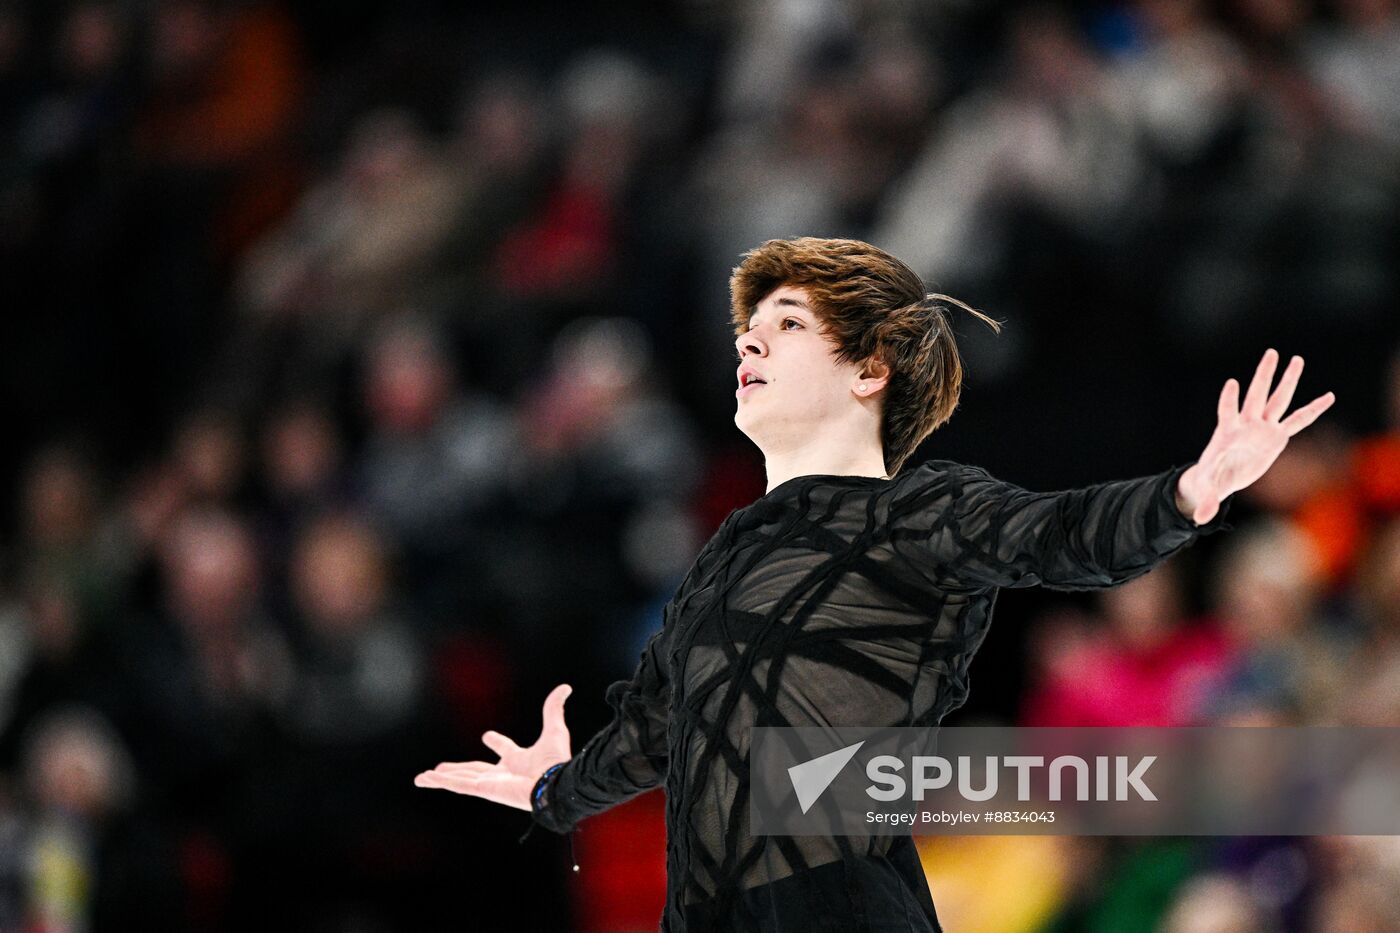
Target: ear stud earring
x=862 y=387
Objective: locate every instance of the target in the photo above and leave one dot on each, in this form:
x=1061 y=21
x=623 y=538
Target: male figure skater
x=852 y=593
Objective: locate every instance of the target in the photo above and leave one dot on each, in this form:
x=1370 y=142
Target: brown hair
x=870 y=305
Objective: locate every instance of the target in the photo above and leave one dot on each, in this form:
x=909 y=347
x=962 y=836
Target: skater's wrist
x=537 y=795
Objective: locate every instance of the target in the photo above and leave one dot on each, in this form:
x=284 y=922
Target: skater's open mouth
x=748 y=377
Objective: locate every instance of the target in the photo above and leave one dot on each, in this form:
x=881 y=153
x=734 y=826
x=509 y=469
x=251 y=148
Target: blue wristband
x=544 y=779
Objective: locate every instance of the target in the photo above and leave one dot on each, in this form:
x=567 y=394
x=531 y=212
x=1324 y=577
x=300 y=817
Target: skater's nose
x=750 y=343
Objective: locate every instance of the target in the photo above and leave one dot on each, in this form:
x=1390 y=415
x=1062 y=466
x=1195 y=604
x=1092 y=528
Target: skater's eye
x=783 y=325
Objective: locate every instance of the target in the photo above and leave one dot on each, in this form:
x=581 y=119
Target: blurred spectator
x=1266 y=590
x=301 y=455
x=1359 y=893
x=360 y=674
x=1142 y=665
x=54 y=657
x=1312 y=489
x=91 y=864
x=1365 y=905
x=1215 y=904
x=502 y=152
x=62 y=537
x=612 y=109
x=599 y=446
x=1357 y=59
x=1375 y=699
x=206 y=671
x=359 y=241
x=302 y=472
x=437 y=455
x=211 y=454
x=776 y=40
x=1050 y=130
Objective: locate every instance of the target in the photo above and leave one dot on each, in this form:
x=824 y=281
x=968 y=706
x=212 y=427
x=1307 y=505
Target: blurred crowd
x=368 y=373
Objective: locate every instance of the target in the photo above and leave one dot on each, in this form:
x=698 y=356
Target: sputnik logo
x=811 y=778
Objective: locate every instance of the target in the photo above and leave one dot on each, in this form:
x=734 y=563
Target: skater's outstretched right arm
x=510 y=780
x=625 y=758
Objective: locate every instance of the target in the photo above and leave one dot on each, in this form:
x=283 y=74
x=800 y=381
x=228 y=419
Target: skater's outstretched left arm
x=1247 y=439
x=980 y=532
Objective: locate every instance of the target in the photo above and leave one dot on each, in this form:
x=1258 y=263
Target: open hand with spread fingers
x=510 y=780
x=1248 y=438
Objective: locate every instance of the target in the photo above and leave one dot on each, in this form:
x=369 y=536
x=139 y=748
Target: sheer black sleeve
x=983 y=532
x=628 y=756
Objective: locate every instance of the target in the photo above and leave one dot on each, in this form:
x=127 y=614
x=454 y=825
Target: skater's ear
x=871 y=377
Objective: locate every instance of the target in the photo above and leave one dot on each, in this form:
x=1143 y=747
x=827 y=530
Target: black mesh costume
x=836 y=600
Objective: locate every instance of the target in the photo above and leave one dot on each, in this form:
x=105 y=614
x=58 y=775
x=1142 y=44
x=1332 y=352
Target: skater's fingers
x=500 y=744
x=495 y=785
x=554 y=704
x=465 y=767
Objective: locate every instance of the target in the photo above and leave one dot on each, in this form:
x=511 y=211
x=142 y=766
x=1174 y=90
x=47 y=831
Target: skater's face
x=804 y=386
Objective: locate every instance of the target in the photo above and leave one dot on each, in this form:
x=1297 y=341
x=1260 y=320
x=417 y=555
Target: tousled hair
x=870 y=305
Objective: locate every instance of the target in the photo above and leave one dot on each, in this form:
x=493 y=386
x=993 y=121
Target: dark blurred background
x=367 y=372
